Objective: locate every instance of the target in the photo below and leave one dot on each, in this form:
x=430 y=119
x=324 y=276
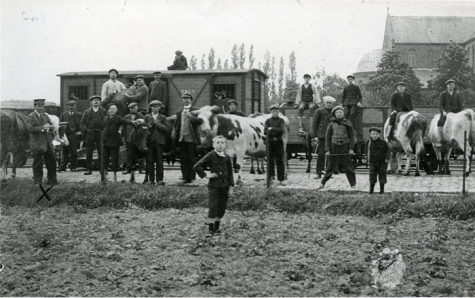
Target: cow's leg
x=252 y=165
x=446 y=161
x=399 y=162
x=260 y=169
x=391 y=161
x=407 y=170
x=239 y=160
x=132 y=176
x=419 y=150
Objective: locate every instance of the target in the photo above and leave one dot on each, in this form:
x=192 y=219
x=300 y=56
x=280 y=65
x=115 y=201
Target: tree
x=392 y=70
x=226 y=66
x=203 y=64
x=272 y=76
x=251 y=56
x=266 y=69
x=211 y=62
x=218 y=66
x=332 y=85
x=234 y=57
x=242 y=56
x=193 y=62
x=281 y=78
x=293 y=67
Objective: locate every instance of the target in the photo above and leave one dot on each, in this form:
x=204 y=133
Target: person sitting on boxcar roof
x=180 y=62
x=400 y=102
x=113 y=85
x=232 y=103
x=141 y=96
x=158 y=91
x=307 y=96
x=352 y=99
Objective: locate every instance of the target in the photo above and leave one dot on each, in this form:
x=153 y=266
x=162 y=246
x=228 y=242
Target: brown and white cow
x=245 y=136
x=453 y=137
x=408 y=139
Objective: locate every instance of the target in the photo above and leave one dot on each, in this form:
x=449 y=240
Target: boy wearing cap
x=449 y=102
x=158 y=90
x=307 y=96
x=232 y=103
x=321 y=120
x=273 y=129
x=112 y=140
x=92 y=123
x=186 y=137
x=180 y=62
x=401 y=101
x=126 y=132
x=352 y=99
x=159 y=128
x=41 y=143
x=73 y=133
x=339 y=143
x=113 y=85
x=221 y=182
x=141 y=95
x=378 y=158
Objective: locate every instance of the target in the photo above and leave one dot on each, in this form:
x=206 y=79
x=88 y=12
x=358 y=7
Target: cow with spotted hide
x=408 y=139
x=245 y=136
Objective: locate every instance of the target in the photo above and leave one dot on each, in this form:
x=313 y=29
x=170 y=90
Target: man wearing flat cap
x=158 y=91
x=274 y=129
x=186 y=137
x=126 y=133
x=92 y=123
x=180 y=62
x=41 y=143
x=73 y=133
x=232 y=104
x=378 y=157
x=352 y=99
x=401 y=101
x=141 y=95
x=159 y=128
x=307 y=97
x=320 y=123
x=113 y=85
x=449 y=102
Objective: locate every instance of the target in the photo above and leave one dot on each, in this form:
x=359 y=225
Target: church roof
x=370 y=61
x=405 y=29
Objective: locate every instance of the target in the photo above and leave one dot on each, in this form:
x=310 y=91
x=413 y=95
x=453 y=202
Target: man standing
x=307 y=97
x=449 y=102
x=400 y=102
x=158 y=129
x=141 y=96
x=126 y=132
x=92 y=123
x=186 y=137
x=41 y=143
x=321 y=120
x=180 y=62
x=158 y=91
x=351 y=99
x=73 y=133
x=113 y=85
x=273 y=129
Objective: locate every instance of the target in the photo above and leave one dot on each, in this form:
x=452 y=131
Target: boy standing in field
x=378 y=158
x=221 y=182
x=273 y=129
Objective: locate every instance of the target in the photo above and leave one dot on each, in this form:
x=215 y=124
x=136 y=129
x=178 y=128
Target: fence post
x=464 y=159
x=103 y=176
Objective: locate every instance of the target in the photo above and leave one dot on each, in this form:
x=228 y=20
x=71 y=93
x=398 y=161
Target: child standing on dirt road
x=221 y=182
x=378 y=158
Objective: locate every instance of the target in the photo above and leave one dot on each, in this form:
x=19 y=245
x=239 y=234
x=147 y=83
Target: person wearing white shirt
x=113 y=85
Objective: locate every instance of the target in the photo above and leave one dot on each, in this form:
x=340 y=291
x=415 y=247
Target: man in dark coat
x=126 y=132
x=159 y=128
x=92 y=123
x=378 y=158
x=321 y=120
x=186 y=137
x=141 y=96
x=401 y=101
x=274 y=129
x=339 y=143
x=73 y=133
x=41 y=143
x=449 y=102
x=158 y=91
x=180 y=62
x=352 y=99
x=232 y=103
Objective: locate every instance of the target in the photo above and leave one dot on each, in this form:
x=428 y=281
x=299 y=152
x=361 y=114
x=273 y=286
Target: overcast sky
x=40 y=39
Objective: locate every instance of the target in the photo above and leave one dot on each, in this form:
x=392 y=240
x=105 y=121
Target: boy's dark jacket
x=219 y=165
x=378 y=150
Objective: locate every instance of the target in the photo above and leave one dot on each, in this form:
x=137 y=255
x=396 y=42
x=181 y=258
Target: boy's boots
x=381 y=188
x=371 y=187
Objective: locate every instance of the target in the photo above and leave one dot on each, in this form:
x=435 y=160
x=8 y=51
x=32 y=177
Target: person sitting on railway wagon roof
x=401 y=101
x=232 y=103
x=352 y=99
x=113 y=85
x=180 y=62
x=339 y=143
x=307 y=97
x=141 y=96
x=449 y=102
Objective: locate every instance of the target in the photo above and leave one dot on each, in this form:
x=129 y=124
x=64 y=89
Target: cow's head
x=140 y=135
x=207 y=114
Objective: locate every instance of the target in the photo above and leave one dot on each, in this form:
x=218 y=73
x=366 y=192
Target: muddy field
x=74 y=251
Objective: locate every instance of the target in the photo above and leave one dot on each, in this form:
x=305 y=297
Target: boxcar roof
x=22 y=104
x=164 y=72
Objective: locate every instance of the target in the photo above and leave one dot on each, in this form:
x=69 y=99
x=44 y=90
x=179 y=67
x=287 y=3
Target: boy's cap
x=113 y=69
x=139 y=77
x=232 y=100
x=178 y=52
x=450 y=81
x=401 y=83
x=350 y=76
x=133 y=104
x=187 y=95
x=157 y=72
x=375 y=129
x=110 y=105
x=307 y=76
x=154 y=103
x=328 y=99
x=274 y=106
x=336 y=109
x=94 y=97
x=71 y=102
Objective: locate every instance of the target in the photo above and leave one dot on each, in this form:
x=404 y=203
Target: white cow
x=452 y=137
x=245 y=136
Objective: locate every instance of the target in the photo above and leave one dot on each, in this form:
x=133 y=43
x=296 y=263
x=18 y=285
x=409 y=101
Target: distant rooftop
x=165 y=73
x=370 y=61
